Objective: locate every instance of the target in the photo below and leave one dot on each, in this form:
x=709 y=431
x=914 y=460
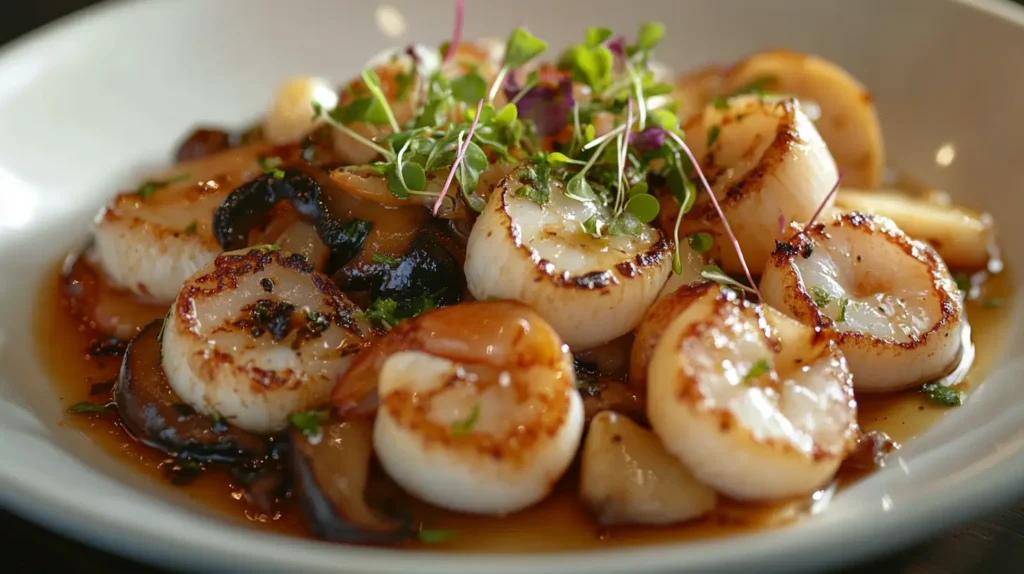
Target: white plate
x=88 y=103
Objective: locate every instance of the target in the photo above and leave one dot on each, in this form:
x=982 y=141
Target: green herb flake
x=387 y=259
x=465 y=426
x=148 y=188
x=943 y=395
x=821 y=297
x=720 y=103
x=318 y=110
x=993 y=302
x=435 y=536
x=308 y=422
x=594 y=226
x=266 y=248
x=713 y=132
x=701 y=242
x=760 y=367
x=843 y=304
x=963 y=281
x=191 y=229
x=87 y=408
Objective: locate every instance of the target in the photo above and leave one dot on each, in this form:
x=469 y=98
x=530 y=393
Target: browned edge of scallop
x=802 y=244
x=594 y=281
x=689 y=393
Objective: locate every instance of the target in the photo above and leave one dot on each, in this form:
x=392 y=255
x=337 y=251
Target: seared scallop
x=892 y=300
x=479 y=410
x=755 y=404
x=590 y=290
x=256 y=336
x=765 y=163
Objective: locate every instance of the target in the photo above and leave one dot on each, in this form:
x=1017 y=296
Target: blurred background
x=994 y=545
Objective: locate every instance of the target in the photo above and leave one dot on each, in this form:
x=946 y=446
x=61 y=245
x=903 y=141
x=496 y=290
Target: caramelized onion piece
x=331 y=473
x=158 y=418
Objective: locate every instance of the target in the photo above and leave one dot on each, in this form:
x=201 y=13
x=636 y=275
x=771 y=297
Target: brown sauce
x=559 y=523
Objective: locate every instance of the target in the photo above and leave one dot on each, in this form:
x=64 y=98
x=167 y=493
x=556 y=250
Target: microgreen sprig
x=459 y=157
x=718 y=209
x=522 y=46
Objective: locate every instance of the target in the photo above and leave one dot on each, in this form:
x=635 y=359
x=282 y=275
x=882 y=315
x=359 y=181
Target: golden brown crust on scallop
x=639 y=264
x=803 y=307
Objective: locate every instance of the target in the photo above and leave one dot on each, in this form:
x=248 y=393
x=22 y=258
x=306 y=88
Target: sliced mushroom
x=158 y=418
x=249 y=205
x=628 y=477
x=331 y=472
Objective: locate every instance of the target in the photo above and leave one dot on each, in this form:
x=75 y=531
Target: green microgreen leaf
x=701 y=242
x=592 y=66
x=507 y=115
x=638 y=188
x=643 y=206
x=943 y=395
x=594 y=226
x=522 y=47
x=650 y=34
x=821 y=297
x=465 y=426
x=579 y=189
x=557 y=158
x=309 y=422
x=469 y=88
x=663 y=119
x=87 y=408
x=626 y=224
x=597 y=36
x=714 y=273
x=373 y=84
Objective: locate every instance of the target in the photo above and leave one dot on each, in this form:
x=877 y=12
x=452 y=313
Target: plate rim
x=994 y=487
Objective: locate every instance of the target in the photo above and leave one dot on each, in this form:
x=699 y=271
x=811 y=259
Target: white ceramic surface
x=88 y=103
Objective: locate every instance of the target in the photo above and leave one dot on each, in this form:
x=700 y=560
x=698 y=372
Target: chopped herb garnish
x=269 y=165
x=760 y=367
x=386 y=259
x=943 y=395
x=713 y=132
x=85 y=407
x=963 y=281
x=701 y=242
x=465 y=426
x=435 y=536
x=267 y=247
x=219 y=423
x=309 y=422
x=147 y=189
x=183 y=470
x=389 y=313
x=821 y=297
x=993 y=302
x=843 y=304
x=191 y=229
x=714 y=273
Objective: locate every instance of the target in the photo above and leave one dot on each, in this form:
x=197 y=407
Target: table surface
x=994 y=545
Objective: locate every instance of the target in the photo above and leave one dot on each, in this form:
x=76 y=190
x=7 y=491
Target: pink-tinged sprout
x=618 y=48
x=835 y=188
x=718 y=210
x=458 y=158
x=619 y=197
x=460 y=10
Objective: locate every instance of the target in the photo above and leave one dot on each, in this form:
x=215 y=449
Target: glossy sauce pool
x=561 y=522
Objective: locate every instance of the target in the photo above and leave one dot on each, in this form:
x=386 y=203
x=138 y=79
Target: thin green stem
x=358 y=137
